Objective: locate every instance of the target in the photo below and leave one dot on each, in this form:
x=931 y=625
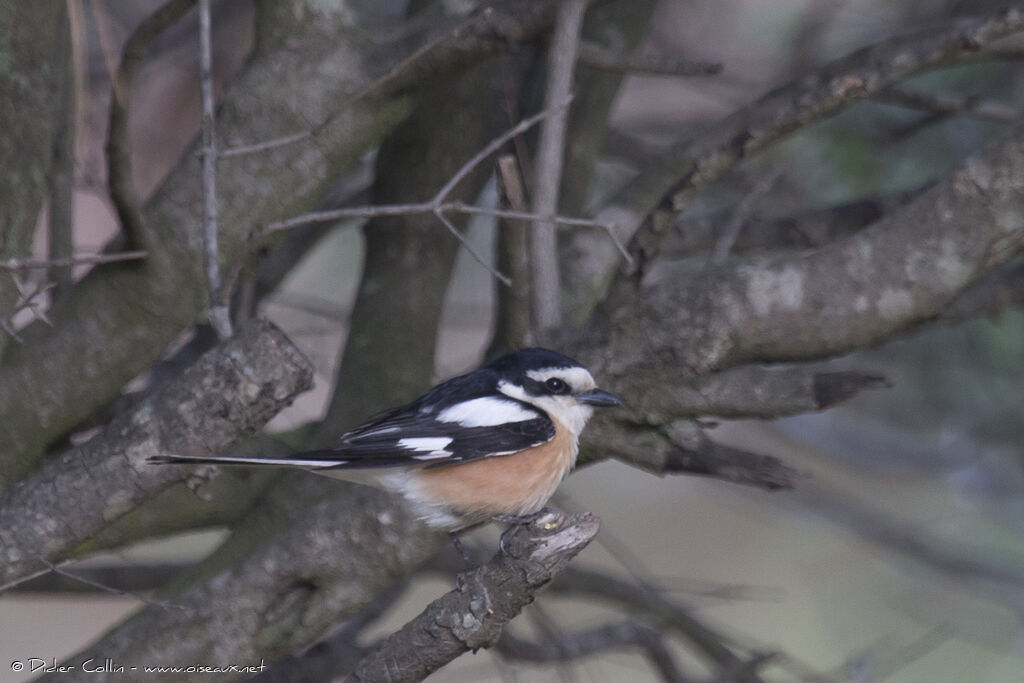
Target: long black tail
x=300 y=460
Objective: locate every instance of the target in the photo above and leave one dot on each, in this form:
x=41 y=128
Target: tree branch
x=336 y=655
x=512 y=324
x=219 y=315
x=317 y=567
x=160 y=299
x=806 y=229
x=576 y=644
x=638 y=599
x=61 y=179
x=669 y=182
x=901 y=272
x=545 y=282
x=950 y=104
x=123 y=578
x=120 y=181
x=473 y=615
x=761 y=391
x=230 y=392
x=682 y=447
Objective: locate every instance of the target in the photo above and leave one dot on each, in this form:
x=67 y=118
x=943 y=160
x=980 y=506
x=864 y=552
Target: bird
x=493 y=443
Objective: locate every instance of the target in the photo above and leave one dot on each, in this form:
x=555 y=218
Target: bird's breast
x=516 y=484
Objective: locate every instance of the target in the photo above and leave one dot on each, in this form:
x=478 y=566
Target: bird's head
x=555 y=383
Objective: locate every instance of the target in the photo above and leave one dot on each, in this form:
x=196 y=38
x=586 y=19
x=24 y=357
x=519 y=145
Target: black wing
x=416 y=435
x=484 y=424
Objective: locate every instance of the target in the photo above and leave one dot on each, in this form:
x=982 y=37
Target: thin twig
x=57 y=569
x=473 y=252
x=20 y=264
x=557 y=108
x=143 y=576
x=266 y=144
x=435 y=204
x=945 y=104
x=600 y=587
x=219 y=316
x=17 y=581
x=600 y=57
x=429 y=207
x=8 y=328
x=439 y=206
x=462 y=207
x=440 y=210
x=26 y=301
x=739 y=217
x=545 y=282
x=577 y=644
x=348 y=212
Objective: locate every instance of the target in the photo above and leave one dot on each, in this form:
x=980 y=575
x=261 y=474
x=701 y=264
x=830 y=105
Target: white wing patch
x=432 y=446
x=432 y=456
x=378 y=432
x=486 y=412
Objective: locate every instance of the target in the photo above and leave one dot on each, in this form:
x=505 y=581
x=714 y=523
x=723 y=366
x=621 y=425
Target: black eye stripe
x=553 y=386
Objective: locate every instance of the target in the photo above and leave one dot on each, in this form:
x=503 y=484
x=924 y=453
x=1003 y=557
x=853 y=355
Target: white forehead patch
x=433 y=445
x=486 y=412
x=577 y=378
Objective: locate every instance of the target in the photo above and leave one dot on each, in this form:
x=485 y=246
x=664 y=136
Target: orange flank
x=520 y=483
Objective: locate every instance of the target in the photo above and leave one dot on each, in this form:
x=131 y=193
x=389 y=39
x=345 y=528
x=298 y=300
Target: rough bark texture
x=389 y=354
x=902 y=271
x=619 y=26
x=120 y=318
x=677 y=342
x=281 y=598
x=33 y=68
x=405 y=277
x=229 y=393
x=473 y=615
x=647 y=206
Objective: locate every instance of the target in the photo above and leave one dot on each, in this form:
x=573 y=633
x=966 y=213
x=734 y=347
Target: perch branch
x=473 y=615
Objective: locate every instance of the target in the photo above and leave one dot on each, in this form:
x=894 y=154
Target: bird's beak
x=598 y=397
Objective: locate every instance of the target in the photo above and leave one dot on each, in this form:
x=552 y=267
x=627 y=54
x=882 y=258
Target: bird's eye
x=556 y=386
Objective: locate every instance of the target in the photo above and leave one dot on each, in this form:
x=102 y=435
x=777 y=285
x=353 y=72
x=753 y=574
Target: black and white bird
x=495 y=442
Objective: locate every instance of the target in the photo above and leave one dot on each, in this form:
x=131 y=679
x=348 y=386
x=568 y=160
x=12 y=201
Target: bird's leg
x=469 y=562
